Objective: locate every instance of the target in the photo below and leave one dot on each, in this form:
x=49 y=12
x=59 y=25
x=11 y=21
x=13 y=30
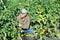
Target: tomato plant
x=45 y=15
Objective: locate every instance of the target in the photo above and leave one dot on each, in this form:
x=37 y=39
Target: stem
x=3 y=4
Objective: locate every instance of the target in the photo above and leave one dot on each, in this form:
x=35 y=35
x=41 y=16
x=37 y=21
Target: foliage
x=45 y=15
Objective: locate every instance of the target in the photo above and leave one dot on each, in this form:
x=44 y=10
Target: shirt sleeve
x=19 y=20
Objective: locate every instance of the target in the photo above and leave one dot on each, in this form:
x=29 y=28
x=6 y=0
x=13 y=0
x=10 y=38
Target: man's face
x=23 y=15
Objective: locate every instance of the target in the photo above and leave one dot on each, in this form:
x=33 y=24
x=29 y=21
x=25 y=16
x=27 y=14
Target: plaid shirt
x=24 y=24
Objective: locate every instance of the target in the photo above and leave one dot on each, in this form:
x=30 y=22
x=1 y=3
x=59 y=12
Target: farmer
x=24 y=23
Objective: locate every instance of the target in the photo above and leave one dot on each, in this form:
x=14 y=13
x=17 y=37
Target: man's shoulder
x=28 y=17
x=18 y=17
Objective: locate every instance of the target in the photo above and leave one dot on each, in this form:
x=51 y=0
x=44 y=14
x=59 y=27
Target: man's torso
x=24 y=24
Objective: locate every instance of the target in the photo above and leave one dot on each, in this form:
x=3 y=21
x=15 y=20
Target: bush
x=45 y=15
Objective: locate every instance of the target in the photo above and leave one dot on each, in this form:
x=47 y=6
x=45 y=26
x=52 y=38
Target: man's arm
x=18 y=19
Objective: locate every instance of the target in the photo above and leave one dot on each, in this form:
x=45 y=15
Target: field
x=44 y=14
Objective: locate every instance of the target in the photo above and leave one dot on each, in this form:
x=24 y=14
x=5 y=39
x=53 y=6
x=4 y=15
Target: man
x=24 y=23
